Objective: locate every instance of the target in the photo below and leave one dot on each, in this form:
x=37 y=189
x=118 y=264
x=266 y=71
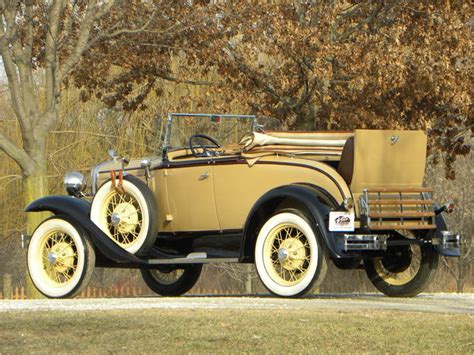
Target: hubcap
x=115 y=218
x=52 y=258
x=282 y=255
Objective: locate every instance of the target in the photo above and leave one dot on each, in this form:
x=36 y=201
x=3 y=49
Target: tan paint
x=188 y=201
x=224 y=199
x=239 y=186
x=379 y=163
x=158 y=185
x=191 y=200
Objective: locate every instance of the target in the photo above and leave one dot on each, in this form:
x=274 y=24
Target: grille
x=383 y=209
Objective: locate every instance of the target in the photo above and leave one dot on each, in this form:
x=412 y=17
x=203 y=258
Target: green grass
x=224 y=331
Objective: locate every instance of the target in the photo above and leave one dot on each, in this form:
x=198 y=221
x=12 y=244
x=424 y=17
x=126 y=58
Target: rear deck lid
x=388 y=159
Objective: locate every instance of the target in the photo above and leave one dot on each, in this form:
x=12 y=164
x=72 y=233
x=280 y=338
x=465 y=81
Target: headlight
x=75 y=183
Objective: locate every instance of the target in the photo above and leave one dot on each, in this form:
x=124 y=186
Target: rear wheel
x=127 y=215
x=61 y=258
x=404 y=271
x=289 y=256
x=172 y=281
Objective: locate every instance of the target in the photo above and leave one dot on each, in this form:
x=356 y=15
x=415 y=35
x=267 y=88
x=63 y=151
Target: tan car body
x=217 y=193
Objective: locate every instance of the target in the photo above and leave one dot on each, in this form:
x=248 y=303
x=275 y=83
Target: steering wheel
x=206 y=152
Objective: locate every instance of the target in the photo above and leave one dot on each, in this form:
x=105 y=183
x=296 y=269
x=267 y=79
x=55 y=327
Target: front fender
x=303 y=195
x=79 y=211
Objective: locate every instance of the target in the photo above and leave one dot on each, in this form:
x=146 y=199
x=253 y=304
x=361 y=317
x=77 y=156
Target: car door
x=191 y=201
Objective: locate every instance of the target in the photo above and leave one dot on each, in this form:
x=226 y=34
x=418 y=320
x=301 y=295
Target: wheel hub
x=61 y=256
x=291 y=254
x=115 y=219
x=125 y=217
x=52 y=258
x=398 y=259
x=282 y=255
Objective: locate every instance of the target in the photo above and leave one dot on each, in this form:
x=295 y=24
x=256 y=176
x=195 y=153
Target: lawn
x=224 y=331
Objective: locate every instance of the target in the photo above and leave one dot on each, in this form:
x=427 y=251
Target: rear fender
x=79 y=211
x=307 y=197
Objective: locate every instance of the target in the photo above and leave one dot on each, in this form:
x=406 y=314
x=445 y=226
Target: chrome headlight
x=75 y=183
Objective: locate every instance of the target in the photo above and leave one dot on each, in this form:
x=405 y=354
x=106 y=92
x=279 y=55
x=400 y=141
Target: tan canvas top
x=307 y=139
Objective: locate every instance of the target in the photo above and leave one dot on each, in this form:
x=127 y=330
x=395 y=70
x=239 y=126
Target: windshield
x=226 y=129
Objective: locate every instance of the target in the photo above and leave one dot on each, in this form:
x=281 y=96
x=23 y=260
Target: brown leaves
x=343 y=65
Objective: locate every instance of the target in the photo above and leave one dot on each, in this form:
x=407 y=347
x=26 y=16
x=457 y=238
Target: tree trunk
x=460 y=278
x=34 y=187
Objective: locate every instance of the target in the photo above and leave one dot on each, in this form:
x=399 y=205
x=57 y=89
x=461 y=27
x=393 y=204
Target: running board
x=365 y=242
x=192 y=258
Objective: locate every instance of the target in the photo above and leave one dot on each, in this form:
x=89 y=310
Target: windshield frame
x=174 y=115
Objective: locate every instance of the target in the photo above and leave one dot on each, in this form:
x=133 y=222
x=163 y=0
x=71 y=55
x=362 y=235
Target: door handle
x=204 y=176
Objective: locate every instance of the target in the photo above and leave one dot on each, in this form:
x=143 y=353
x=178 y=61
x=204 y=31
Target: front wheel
x=61 y=258
x=172 y=281
x=127 y=215
x=289 y=257
x=404 y=271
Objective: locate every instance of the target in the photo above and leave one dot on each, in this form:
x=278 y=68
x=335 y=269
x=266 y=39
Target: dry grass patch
x=224 y=331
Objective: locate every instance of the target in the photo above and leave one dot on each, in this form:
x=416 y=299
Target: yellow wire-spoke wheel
x=59 y=257
x=127 y=215
x=402 y=271
x=124 y=217
x=288 y=254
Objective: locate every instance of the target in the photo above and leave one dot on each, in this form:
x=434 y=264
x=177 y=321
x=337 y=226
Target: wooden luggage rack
x=402 y=208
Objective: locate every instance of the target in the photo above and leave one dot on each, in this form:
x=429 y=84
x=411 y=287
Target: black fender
x=304 y=195
x=79 y=211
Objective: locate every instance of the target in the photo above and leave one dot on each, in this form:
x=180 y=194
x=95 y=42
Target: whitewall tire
x=61 y=258
x=128 y=215
x=289 y=258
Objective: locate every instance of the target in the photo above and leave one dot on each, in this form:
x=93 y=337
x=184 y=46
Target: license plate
x=341 y=222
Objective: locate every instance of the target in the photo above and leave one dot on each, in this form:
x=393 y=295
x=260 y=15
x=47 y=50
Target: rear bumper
x=446 y=242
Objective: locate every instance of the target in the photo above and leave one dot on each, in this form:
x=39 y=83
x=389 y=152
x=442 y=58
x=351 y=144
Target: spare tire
x=127 y=215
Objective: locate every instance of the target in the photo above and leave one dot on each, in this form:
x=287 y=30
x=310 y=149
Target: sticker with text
x=341 y=222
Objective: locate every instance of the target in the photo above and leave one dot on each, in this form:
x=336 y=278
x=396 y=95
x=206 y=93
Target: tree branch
x=14 y=83
x=449 y=268
x=15 y=153
x=51 y=56
x=254 y=76
x=83 y=42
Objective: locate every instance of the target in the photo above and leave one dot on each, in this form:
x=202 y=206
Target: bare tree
x=48 y=37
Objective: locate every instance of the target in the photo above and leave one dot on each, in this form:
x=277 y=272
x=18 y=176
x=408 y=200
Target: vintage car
x=226 y=190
